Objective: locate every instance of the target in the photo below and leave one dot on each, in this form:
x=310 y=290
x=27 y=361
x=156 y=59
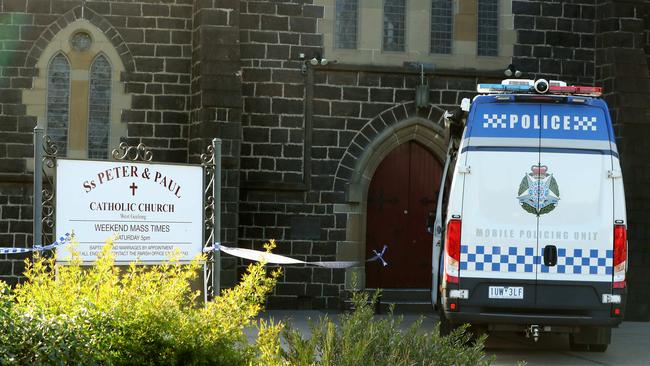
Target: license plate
x=506 y=292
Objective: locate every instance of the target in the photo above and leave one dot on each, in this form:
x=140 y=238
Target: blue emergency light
x=501 y=88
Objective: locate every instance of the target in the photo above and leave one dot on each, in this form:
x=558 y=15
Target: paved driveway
x=630 y=346
x=630 y=343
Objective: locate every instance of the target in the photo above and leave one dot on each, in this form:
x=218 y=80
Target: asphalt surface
x=630 y=342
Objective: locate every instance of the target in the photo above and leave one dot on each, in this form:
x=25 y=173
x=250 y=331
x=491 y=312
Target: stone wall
x=274 y=170
x=273 y=35
x=15 y=137
x=555 y=39
x=15 y=227
x=217 y=106
x=622 y=69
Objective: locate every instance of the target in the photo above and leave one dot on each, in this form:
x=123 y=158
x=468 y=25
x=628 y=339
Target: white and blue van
x=533 y=237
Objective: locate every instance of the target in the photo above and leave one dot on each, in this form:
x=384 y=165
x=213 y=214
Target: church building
x=329 y=111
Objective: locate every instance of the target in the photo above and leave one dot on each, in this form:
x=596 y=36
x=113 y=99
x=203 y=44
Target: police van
x=533 y=238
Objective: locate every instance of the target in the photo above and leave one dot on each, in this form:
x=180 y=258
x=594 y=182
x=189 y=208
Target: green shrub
x=362 y=339
x=98 y=315
x=65 y=315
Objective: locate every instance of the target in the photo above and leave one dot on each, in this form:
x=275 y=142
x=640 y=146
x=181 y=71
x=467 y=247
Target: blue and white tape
x=260 y=256
x=379 y=256
x=37 y=248
x=250 y=254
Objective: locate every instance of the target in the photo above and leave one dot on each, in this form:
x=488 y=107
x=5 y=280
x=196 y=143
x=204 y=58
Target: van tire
x=594 y=339
x=445 y=325
x=577 y=347
x=477 y=330
x=598 y=347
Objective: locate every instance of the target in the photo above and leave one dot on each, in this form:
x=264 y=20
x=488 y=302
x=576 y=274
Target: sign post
x=37 y=228
x=216 y=193
x=211 y=162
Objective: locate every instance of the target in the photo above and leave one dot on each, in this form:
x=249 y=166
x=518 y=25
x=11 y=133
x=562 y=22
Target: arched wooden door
x=402 y=192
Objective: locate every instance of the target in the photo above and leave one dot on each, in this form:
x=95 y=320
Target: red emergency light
x=452 y=250
x=620 y=255
x=593 y=91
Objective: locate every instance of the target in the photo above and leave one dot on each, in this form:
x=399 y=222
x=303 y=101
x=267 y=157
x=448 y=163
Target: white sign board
x=152 y=209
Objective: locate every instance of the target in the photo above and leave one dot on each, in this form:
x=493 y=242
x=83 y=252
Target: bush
x=361 y=339
x=98 y=315
x=65 y=315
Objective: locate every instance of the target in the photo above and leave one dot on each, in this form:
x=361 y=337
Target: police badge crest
x=538 y=191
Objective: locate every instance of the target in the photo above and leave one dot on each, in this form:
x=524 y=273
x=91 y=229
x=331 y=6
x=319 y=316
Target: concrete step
x=403 y=300
x=403 y=294
x=405 y=307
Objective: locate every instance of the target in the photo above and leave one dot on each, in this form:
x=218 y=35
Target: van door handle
x=550 y=255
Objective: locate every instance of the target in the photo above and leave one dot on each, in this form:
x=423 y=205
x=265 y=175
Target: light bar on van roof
x=527 y=86
x=592 y=91
x=500 y=88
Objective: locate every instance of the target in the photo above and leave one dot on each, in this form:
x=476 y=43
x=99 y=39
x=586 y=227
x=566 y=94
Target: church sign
x=151 y=210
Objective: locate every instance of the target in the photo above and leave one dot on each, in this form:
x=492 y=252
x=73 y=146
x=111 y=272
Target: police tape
x=37 y=248
x=250 y=254
x=260 y=256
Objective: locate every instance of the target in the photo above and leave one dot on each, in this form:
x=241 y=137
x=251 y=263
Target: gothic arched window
x=58 y=101
x=99 y=108
x=77 y=95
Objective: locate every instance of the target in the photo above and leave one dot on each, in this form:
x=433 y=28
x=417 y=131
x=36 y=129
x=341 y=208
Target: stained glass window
x=81 y=41
x=58 y=102
x=488 y=27
x=99 y=108
x=347 y=12
x=394 y=25
x=441 y=26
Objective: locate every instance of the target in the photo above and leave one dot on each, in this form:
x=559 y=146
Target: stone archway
x=81 y=13
x=357 y=168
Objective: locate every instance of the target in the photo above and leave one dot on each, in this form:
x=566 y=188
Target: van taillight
x=620 y=255
x=452 y=250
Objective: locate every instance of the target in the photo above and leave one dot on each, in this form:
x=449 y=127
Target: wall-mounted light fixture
x=512 y=71
x=316 y=60
x=422 y=90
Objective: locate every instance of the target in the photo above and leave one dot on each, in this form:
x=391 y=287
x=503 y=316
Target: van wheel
x=477 y=331
x=594 y=339
x=445 y=325
x=598 y=347
x=577 y=347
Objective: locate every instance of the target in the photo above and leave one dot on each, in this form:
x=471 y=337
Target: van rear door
x=575 y=194
x=498 y=240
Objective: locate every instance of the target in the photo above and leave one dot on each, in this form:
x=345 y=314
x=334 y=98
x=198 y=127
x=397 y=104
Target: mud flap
x=592 y=335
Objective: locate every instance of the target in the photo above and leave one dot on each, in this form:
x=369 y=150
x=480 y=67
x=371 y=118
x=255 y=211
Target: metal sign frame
x=45 y=155
x=45 y=159
x=211 y=162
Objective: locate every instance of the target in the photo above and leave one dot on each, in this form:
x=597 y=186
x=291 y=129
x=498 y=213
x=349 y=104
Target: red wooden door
x=402 y=192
